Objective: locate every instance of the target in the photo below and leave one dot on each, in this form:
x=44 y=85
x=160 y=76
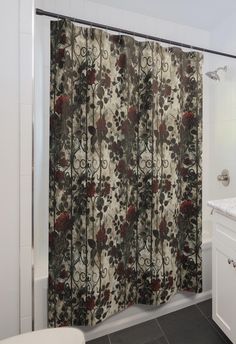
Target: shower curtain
x=125 y=174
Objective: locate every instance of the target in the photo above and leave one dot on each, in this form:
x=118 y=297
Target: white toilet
x=62 y=335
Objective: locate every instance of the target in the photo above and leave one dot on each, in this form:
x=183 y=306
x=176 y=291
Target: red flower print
x=163 y=131
x=186 y=248
x=126 y=128
x=155 y=284
x=63 y=162
x=124 y=229
x=189 y=69
x=170 y=281
x=106 y=190
x=59 y=176
x=163 y=228
x=167 y=91
x=121 y=62
x=113 y=252
x=154 y=186
x=107 y=294
x=59 y=287
x=121 y=167
x=63 y=222
x=60 y=55
x=184 y=172
x=116 y=148
x=63 y=274
x=91 y=76
x=101 y=236
x=130 y=260
x=188 y=161
x=120 y=269
x=129 y=173
x=188 y=119
x=91 y=189
x=133 y=115
x=90 y=303
x=155 y=86
x=187 y=207
x=167 y=185
x=101 y=127
x=62 y=103
x=162 y=128
x=131 y=214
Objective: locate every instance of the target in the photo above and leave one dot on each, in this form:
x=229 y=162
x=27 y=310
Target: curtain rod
x=132 y=33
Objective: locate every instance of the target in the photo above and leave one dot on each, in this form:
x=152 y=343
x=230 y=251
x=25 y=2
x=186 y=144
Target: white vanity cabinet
x=224 y=271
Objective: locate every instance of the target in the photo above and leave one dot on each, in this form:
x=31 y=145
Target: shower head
x=214 y=74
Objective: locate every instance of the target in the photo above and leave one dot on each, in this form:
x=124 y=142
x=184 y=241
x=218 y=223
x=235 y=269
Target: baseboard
x=141 y=314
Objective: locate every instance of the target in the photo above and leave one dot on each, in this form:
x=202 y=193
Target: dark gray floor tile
x=206 y=308
x=101 y=340
x=221 y=333
x=145 y=333
x=189 y=326
x=160 y=340
x=157 y=341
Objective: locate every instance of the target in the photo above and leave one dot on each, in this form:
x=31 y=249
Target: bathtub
x=135 y=314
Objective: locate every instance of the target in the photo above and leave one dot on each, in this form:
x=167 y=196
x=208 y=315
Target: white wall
x=26 y=33
x=16 y=166
x=221 y=122
x=9 y=180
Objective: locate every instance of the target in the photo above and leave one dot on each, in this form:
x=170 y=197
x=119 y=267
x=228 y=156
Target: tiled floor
x=191 y=325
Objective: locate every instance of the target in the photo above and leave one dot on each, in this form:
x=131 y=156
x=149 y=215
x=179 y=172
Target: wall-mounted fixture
x=214 y=75
x=224 y=177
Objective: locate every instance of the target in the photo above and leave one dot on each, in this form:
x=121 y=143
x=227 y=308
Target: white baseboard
x=140 y=313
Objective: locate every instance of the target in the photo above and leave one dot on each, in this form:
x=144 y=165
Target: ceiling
x=202 y=14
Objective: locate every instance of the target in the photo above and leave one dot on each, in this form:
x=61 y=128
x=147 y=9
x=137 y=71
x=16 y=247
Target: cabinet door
x=224 y=288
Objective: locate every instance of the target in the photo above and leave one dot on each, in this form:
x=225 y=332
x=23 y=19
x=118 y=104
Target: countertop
x=225 y=206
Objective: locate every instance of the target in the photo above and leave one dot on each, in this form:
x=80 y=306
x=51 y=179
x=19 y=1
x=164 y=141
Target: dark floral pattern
x=125 y=174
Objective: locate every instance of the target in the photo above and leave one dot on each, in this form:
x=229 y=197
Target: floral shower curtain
x=125 y=173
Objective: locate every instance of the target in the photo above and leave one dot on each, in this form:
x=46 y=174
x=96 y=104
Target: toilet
x=60 y=335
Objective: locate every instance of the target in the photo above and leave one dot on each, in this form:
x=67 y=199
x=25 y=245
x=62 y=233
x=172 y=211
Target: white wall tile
x=26 y=281
x=26 y=74
x=26 y=139
x=26 y=17
x=40 y=289
x=26 y=324
x=26 y=211
x=9 y=181
x=25 y=171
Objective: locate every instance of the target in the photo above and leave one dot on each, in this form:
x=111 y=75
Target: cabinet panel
x=224 y=288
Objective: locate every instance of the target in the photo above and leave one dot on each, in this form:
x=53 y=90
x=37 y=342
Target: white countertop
x=225 y=206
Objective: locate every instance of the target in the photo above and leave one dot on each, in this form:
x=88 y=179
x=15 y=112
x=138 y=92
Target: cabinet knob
x=230 y=261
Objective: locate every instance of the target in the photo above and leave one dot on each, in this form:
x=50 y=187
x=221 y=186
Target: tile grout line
x=162 y=331
x=207 y=318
